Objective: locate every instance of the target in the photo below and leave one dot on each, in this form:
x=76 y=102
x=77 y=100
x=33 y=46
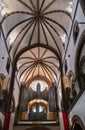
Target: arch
x=34 y=46
x=17 y=57
x=42 y=104
x=34 y=65
x=34 y=57
x=40 y=101
x=77 y=123
x=56 y=51
x=39 y=78
x=77 y=127
x=37 y=84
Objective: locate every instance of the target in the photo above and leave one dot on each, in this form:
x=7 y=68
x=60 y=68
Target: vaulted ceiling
x=36 y=33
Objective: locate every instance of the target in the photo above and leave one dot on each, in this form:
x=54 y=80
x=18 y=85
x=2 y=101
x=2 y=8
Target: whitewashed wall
x=72 y=47
x=79 y=108
x=3 y=57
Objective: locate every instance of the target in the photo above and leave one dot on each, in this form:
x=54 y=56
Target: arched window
x=43 y=85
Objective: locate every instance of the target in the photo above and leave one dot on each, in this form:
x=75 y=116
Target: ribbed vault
x=40 y=23
x=38 y=62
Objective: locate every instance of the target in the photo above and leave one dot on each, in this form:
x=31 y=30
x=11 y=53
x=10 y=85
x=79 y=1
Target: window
x=43 y=85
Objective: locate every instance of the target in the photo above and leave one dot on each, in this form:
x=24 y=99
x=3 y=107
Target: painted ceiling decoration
x=41 y=24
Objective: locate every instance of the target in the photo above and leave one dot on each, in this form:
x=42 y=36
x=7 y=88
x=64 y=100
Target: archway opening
x=77 y=127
